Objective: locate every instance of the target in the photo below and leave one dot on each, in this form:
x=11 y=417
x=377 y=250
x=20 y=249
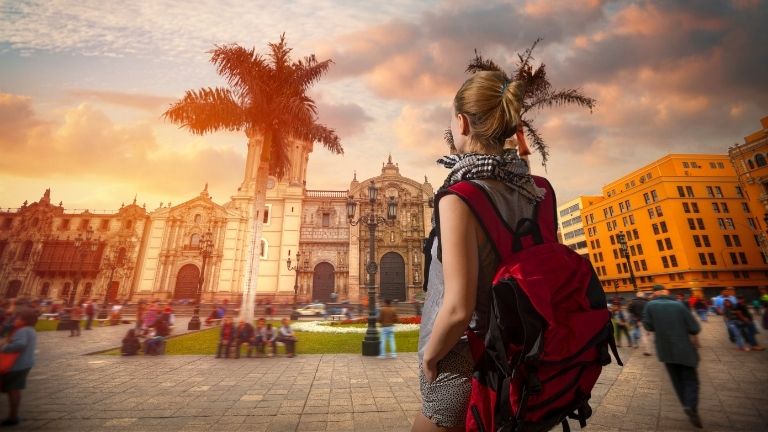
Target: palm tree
x=266 y=98
x=537 y=91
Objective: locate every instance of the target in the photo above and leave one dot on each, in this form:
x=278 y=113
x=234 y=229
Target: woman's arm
x=459 y=241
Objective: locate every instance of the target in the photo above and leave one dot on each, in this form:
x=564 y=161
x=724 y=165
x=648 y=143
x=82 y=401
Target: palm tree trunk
x=251 y=280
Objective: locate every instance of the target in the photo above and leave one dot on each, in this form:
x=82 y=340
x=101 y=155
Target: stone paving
x=70 y=391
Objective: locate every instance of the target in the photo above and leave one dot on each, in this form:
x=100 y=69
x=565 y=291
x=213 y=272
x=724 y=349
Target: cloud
x=348 y=119
x=83 y=142
x=144 y=102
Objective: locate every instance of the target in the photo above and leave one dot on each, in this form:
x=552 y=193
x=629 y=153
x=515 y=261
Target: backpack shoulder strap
x=487 y=215
x=546 y=210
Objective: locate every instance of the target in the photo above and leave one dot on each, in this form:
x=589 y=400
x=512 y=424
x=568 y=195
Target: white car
x=313 y=309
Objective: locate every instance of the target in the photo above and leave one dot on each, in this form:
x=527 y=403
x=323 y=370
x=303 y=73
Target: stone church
x=169 y=252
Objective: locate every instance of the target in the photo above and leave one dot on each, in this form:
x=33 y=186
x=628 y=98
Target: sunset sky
x=83 y=85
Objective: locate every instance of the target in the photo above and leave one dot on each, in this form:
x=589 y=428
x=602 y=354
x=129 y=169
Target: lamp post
x=296 y=279
x=623 y=247
x=372 y=221
x=112 y=263
x=206 y=250
x=82 y=248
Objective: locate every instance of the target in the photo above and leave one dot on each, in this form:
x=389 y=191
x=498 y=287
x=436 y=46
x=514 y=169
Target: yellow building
x=686 y=222
x=750 y=160
x=570 y=229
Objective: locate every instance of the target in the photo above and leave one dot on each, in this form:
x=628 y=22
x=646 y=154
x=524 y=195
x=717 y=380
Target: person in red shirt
x=226 y=338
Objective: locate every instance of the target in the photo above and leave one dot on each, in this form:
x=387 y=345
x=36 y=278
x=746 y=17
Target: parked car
x=313 y=309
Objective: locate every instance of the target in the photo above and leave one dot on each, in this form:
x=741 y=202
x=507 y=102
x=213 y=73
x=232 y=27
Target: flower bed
x=364 y=320
x=324 y=327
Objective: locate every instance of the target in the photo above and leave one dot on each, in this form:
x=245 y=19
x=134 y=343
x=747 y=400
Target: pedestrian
x=140 y=310
x=621 y=325
x=226 y=338
x=387 y=320
x=90 y=311
x=675 y=327
x=75 y=316
x=640 y=335
x=131 y=344
x=746 y=324
x=701 y=309
x=244 y=334
x=285 y=335
x=22 y=340
x=485 y=136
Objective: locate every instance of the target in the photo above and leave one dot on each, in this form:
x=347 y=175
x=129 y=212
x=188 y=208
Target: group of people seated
x=155 y=328
x=262 y=339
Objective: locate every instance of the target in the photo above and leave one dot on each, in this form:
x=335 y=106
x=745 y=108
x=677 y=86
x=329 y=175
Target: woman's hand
x=430 y=369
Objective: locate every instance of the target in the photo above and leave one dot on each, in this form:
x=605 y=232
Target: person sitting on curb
x=244 y=334
x=268 y=338
x=131 y=344
x=285 y=335
x=226 y=338
x=258 y=338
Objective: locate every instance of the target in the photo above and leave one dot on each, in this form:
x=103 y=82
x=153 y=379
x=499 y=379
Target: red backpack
x=549 y=327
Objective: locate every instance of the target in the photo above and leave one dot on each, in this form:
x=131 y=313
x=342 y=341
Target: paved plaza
x=71 y=391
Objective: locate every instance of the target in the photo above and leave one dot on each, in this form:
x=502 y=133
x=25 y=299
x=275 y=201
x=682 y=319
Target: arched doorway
x=392 y=277
x=13 y=289
x=186 y=282
x=323 y=282
x=114 y=287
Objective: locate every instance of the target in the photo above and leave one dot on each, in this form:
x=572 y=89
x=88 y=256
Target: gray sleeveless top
x=512 y=206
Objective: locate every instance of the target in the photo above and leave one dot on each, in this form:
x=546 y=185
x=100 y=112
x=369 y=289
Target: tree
x=537 y=91
x=266 y=98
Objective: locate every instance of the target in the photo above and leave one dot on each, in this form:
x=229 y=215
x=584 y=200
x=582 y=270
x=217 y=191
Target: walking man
x=639 y=334
x=387 y=319
x=90 y=312
x=675 y=328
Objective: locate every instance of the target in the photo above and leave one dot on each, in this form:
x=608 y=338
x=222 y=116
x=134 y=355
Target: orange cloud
x=145 y=102
x=83 y=142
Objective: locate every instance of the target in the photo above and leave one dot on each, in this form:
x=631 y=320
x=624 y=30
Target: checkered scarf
x=507 y=168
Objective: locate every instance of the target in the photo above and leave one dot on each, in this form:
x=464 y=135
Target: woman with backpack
x=485 y=130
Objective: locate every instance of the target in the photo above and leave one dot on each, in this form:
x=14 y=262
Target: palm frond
x=536 y=141
x=280 y=55
x=525 y=58
x=242 y=68
x=560 y=98
x=207 y=110
x=309 y=71
x=479 y=64
x=325 y=136
x=280 y=161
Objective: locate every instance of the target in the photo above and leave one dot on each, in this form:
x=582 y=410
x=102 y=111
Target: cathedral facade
x=173 y=251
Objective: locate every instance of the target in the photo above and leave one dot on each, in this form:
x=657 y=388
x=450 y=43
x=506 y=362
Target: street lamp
x=371 y=341
x=624 y=252
x=206 y=250
x=114 y=262
x=82 y=248
x=296 y=279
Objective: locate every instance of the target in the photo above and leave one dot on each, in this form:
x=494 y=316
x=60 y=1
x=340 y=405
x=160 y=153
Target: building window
x=26 y=251
x=326 y=220
x=689 y=191
x=654 y=196
x=664 y=262
x=715 y=207
x=727 y=239
x=739 y=192
x=668 y=243
x=198 y=218
x=691 y=224
x=745 y=207
x=686 y=208
x=743 y=257
x=64 y=224
x=718 y=192
x=105 y=224
x=712 y=259
x=647 y=198
x=729 y=224
x=760 y=160
x=734 y=258
x=700 y=223
x=710 y=193
x=695 y=207
x=737 y=241
x=651 y=214
x=266 y=220
x=673 y=261
x=703 y=259
x=655 y=229
x=663 y=226
x=721 y=223
x=660 y=245
x=724 y=206
x=264 y=249
x=639 y=249
x=659 y=213
x=705 y=238
x=681 y=192
x=643 y=265
x=696 y=241
x=84 y=224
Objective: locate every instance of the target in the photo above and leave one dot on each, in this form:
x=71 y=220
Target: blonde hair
x=492 y=104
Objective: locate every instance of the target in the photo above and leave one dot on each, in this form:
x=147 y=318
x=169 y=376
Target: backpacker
x=549 y=328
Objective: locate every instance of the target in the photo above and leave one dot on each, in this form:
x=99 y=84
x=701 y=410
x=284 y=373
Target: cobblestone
x=71 y=391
